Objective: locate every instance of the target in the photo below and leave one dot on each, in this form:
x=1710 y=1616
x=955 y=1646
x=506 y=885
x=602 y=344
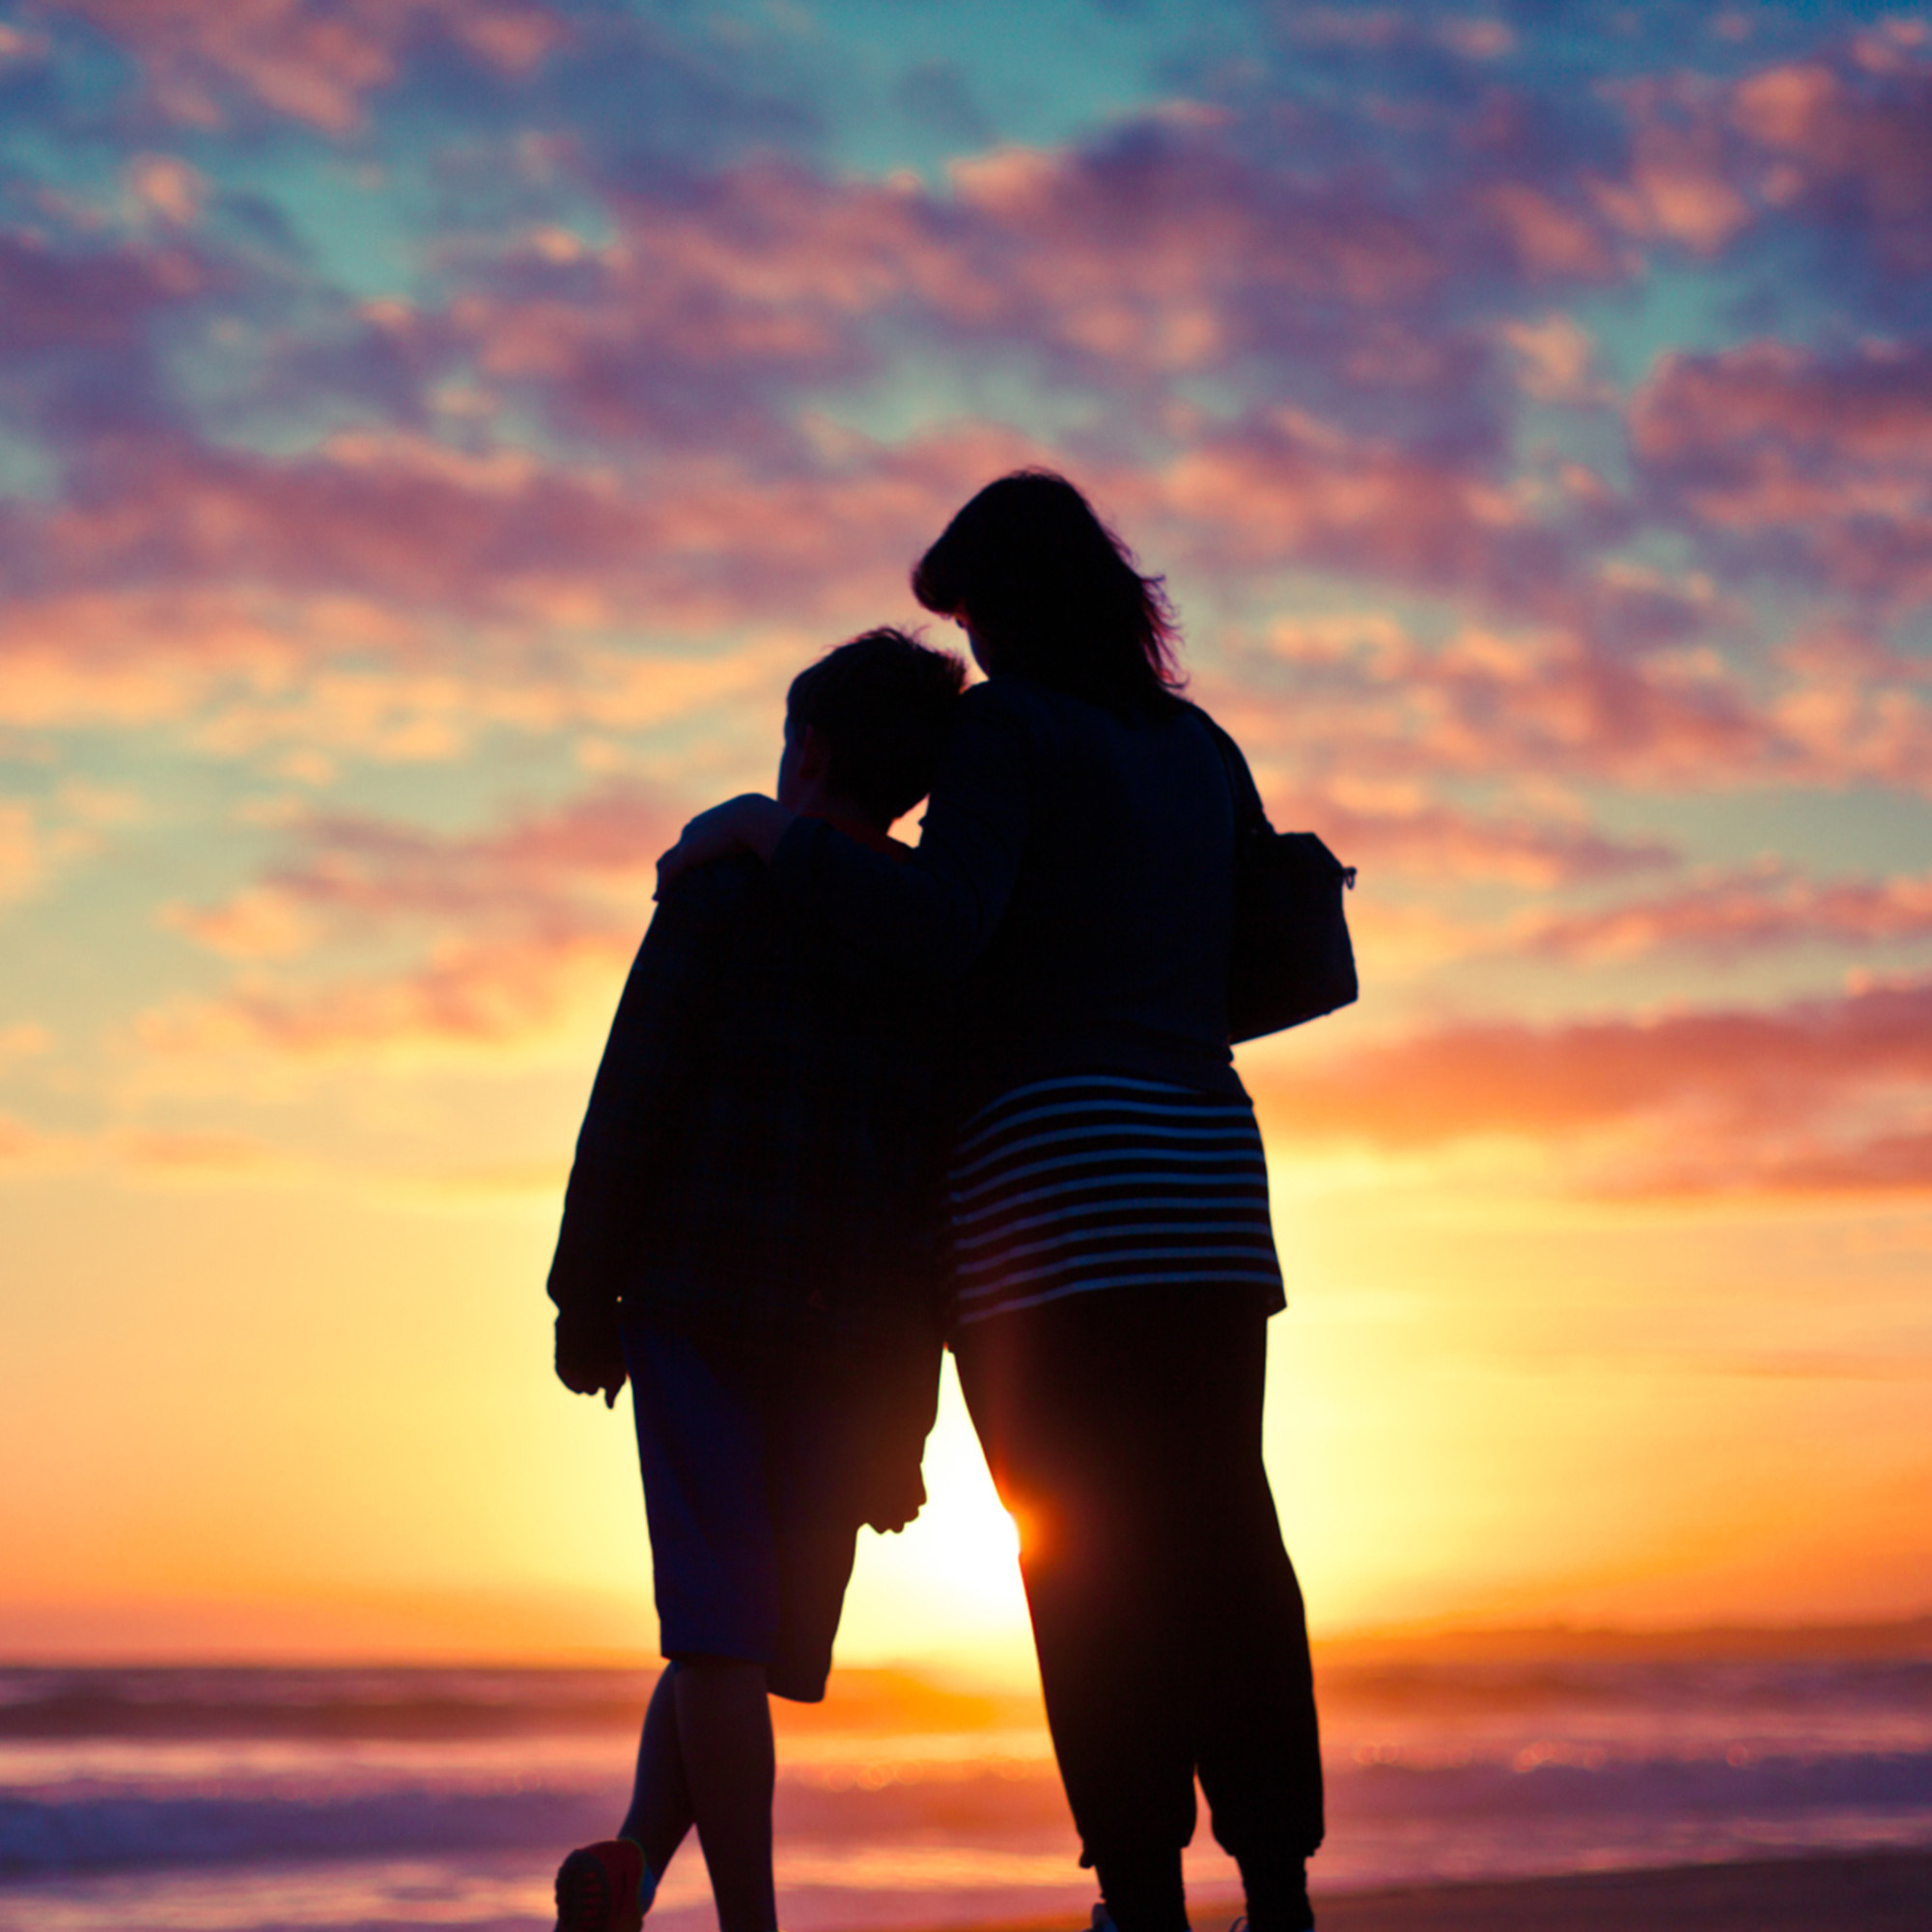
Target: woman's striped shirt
x=1092 y=1181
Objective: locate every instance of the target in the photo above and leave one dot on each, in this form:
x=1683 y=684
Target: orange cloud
x=25 y=1148
x=468 y=996
x=1824 y=1094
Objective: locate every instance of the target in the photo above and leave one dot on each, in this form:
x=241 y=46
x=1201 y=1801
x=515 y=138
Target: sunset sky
x=432 y=433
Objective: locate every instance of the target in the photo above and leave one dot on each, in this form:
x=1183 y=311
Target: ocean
x=249 y=1800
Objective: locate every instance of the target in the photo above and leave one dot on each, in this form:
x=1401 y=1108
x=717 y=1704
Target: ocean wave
x=90 y=1827
x=103 y=1833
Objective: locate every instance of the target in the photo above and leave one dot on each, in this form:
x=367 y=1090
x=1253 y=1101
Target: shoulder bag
x=1291 y=958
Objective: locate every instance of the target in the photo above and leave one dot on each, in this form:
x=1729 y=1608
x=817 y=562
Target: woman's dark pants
x=1123 y=1428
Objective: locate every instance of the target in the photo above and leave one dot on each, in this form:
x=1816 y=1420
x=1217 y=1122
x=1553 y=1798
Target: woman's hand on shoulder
x=748 y=822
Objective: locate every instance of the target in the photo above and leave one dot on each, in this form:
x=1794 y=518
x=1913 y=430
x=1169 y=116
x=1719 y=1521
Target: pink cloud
x=522 y=873
x=1287 y=488
x=57 y=299
x=1166 y=248
x=1168 y=254
x=1681 y=183
x=513 y=930
x=1828 y=458
x=1428 y=840
x=401 y=524
x=314 y=63
x=1849 y=142
x=168 y=187
x=1727 y=915
x=1365 y=697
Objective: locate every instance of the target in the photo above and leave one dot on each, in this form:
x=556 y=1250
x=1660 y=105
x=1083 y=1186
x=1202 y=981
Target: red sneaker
x=600 y=1889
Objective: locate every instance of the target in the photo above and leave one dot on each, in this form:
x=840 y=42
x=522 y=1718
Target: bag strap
x=1249 y=813
x=1241 y=781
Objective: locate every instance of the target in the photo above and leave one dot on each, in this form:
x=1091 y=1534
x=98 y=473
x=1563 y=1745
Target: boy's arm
x=905 y=1404
x=635 y=1106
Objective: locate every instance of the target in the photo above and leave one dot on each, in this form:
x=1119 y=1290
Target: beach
x=1879 y=1892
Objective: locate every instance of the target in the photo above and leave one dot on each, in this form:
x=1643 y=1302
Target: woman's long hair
x=1053 y=594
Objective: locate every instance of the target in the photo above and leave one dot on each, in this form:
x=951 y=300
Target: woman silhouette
x=1115 y=1267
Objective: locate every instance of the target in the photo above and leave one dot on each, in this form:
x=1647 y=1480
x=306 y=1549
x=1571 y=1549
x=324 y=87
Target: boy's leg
x=724 y=1732
x=660 y=1800
x=706 y=1756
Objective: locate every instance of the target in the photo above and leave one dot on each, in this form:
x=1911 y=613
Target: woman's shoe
x=604 y=1887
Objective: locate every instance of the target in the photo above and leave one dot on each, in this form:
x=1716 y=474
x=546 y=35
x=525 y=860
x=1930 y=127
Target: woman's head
x=1048 y=591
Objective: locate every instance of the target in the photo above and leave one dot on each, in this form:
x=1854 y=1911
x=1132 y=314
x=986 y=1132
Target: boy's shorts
x=748 y=1486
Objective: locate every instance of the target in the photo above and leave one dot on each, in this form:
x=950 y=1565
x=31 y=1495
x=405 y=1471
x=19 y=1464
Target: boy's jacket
x=763 y=1157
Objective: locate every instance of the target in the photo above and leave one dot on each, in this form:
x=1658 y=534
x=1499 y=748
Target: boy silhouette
x=751 y=1236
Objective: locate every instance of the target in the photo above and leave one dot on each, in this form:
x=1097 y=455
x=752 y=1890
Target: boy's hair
x=884 y=704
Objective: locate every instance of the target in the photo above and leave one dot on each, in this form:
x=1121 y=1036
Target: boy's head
x=865 y=725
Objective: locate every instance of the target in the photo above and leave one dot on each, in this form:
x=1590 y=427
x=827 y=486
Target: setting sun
x=433 y=437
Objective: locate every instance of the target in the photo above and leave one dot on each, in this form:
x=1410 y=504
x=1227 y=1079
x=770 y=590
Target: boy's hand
x=895 y=1500
x=590 y=1359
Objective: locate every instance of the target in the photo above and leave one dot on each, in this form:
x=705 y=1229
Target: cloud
x=28 y=1149
x=1182 y=241
x=1847 y=141
x=1557 y=357
x=314 y=63
x=71 y=302
x=303 y=683
x=167 y=1155
x=468 y=997
x=1372 y=329
x=508 y=934
x=41 y=837
x=1285 y=489
x=21 y=1041
x=398 y=525
x=520 y=873
x=20 y=861
x=1361 y=695
x=1807 y=462
x=1824 y=1095
x=1680 y=183
x=1729 y=915
x=168 y=187
x=1423 y=839
x=177 y=1154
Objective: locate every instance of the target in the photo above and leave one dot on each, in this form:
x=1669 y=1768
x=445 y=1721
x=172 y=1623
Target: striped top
x=1090 y=1181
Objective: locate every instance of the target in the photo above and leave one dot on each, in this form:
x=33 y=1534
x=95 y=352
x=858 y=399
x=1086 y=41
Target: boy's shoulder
x=719 y=888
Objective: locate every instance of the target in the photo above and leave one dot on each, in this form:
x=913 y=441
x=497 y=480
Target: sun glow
x=950 y=1582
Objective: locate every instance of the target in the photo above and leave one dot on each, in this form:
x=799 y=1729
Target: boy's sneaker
x=600 y=1889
